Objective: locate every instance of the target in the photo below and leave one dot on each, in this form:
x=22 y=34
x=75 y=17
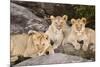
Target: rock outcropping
x=23 y=20
x=57 y=58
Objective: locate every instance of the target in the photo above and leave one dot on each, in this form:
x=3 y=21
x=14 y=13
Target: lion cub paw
x=85 y=48
x=77 y=46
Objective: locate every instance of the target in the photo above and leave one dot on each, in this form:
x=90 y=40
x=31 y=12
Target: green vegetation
x=84 y=11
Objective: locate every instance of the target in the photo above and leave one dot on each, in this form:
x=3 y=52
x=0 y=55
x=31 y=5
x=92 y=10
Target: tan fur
x=29 y=45
x=80 y=32
x=57 y=30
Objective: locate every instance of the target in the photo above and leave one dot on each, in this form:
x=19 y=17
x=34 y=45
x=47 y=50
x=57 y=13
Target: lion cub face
x=41 y=40
x=78 y=25
x=58 y=22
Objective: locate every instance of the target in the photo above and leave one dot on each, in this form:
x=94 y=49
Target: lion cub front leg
x=74 y=42
x=85 y=45
x=76 y=45
x=50 y=50
x=55 y=46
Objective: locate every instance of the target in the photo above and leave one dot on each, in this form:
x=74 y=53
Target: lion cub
x=29 y=45
x=57 y=29
x=79 y=33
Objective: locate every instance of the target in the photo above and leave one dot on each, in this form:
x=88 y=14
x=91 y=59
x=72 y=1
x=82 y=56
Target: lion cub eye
x=55 y=22
x=61 y=22
x=47 y=37
x=43 y=44
x=37 y=44
x=81 y=25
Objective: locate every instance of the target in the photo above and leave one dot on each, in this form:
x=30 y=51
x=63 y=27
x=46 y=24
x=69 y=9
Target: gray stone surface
x=57 y=58
x=69 y=49
x=23 y=20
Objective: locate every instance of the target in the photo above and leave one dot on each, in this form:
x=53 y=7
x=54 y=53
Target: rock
x=23 y=20
x=36 y=25
x=25 y=12
x=69 y=49
x=57 y=58
x=15 y=28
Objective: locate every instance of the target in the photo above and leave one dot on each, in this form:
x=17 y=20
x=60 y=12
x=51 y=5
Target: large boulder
x=69 y=49
x=57 y=58
x=20 y=10
x=23 y=20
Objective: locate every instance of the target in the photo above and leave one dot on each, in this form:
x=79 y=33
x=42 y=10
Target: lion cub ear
x=52 y=17
x=65 y=17
x=73 y=21
x=32 y=32
x=84 y=20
